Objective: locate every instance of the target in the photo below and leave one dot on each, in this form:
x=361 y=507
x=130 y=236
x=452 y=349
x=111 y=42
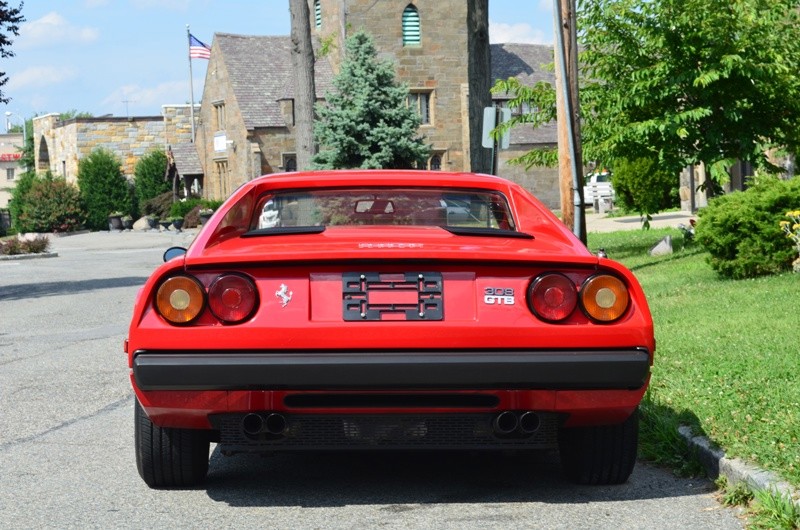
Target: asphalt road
x=66 y=436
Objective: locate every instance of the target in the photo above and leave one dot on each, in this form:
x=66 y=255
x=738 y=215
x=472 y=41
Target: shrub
x=158 y=206
x=51 y=205
x=19 y=197
x=741 y=230
x=643 y=187
x=181 y=208
x=103 y=187
x=17 y=246
x=149 y=176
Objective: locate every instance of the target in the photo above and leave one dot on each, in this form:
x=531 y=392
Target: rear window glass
x=358 y=207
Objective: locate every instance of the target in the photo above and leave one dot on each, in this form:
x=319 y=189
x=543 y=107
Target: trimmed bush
x=149 y=176
x=51 y=205
x=741 y=230
x=643 y=187
x=19 y=198
x=16 y=246
x=104 y=189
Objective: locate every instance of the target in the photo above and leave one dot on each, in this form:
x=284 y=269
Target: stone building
x=246 y=125
x=59 y=145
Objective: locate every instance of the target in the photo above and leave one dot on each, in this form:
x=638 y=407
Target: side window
x=420 y=101
x=411 y=28
x=219 y=115
x=289 y=163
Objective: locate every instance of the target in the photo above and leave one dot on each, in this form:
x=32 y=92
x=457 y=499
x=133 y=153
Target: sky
x=130 y=57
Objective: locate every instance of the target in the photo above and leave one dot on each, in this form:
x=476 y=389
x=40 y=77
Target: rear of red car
x=388 y=310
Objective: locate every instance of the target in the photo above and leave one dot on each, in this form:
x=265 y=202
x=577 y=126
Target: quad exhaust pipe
x=509 y=422
x=257 y=423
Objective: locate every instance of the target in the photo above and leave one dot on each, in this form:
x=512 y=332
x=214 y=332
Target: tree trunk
x=305 y=93
x=479 y=72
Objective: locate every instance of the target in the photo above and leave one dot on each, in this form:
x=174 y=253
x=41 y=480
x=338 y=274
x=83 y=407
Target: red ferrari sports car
x=387 y=310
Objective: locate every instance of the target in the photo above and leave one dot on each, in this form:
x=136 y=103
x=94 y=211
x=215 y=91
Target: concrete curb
x=19 y=257
x=734 y=470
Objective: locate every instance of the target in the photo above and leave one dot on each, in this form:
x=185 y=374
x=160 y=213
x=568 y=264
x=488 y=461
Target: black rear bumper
x=525 y=370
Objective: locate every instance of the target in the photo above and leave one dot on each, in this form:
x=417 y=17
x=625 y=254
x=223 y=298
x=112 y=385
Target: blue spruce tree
x=366 y=122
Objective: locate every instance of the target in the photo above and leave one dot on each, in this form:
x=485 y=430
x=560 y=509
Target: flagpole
x=191 y=82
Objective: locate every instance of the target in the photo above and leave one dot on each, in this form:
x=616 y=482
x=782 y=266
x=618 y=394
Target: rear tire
x=602 y=454
x=169 y=458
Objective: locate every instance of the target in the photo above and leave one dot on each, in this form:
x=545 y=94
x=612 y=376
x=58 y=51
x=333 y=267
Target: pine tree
x=366 y=123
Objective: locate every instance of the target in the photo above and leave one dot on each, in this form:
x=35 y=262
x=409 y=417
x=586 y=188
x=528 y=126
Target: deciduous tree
x=10 y=19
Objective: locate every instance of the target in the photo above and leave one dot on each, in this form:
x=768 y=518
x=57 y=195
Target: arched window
x=436 y=163
x=411 y=31
x=289 y=164
x=317 y=14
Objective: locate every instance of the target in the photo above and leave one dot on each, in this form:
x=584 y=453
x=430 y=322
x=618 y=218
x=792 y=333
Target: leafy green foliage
x=690 y=81
x=742 y=230
x=366 y=122
x=643 y=187
x=10 y=19
x=181 y=208
x=541 y=100
x=149 y=176
x=104 y=189
x=19 y=197
x=51 y=205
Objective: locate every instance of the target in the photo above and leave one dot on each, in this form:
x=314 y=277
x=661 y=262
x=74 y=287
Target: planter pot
x=165 y=224
x=177 y=225
x=127 y=224
x=115 y=222
x=152 y=222
x=204 y=217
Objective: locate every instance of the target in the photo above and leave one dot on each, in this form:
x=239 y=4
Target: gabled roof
x=260 y=73
x=528 y=63
x=187 y=161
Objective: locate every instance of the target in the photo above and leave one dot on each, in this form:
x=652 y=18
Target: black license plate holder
x=376 y=296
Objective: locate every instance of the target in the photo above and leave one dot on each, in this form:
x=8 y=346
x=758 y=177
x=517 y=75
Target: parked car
x=598 y=187
x=355 y=310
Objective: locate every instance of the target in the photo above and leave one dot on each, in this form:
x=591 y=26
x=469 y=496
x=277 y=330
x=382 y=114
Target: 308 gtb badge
x=498 y=296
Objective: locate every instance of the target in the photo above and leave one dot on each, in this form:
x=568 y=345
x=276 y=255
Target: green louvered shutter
x=317 y=14
x=411 y=32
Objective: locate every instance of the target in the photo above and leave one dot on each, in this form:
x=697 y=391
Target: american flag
x=197 y=49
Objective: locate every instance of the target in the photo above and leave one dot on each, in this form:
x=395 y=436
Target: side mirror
x=173 y=252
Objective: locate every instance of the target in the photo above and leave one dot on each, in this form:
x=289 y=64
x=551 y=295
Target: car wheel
x=603 y=454
x=169 y=458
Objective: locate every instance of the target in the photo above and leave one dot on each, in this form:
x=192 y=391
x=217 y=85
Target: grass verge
x=727 y=354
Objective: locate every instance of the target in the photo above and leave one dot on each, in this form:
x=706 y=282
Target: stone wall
x=60 y=145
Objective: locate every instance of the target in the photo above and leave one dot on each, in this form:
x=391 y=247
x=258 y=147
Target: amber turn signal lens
x=604 y=298
x=180 y=299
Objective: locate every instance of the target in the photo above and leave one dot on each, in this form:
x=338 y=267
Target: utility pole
x=570 y=158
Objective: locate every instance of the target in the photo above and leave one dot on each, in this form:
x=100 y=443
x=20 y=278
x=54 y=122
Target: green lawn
x=727 y=352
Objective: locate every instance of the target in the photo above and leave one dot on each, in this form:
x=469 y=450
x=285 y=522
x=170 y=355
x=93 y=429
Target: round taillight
x=232 y=298
x=604 y=298
x=180 y=299
x=552 y=297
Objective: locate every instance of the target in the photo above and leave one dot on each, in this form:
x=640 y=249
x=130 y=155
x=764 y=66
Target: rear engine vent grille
x=386 y=431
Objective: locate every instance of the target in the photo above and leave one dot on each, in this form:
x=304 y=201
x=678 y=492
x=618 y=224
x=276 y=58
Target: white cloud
x=53 y=29
x=521 y=33
x=139 y=97
x=36 y=77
